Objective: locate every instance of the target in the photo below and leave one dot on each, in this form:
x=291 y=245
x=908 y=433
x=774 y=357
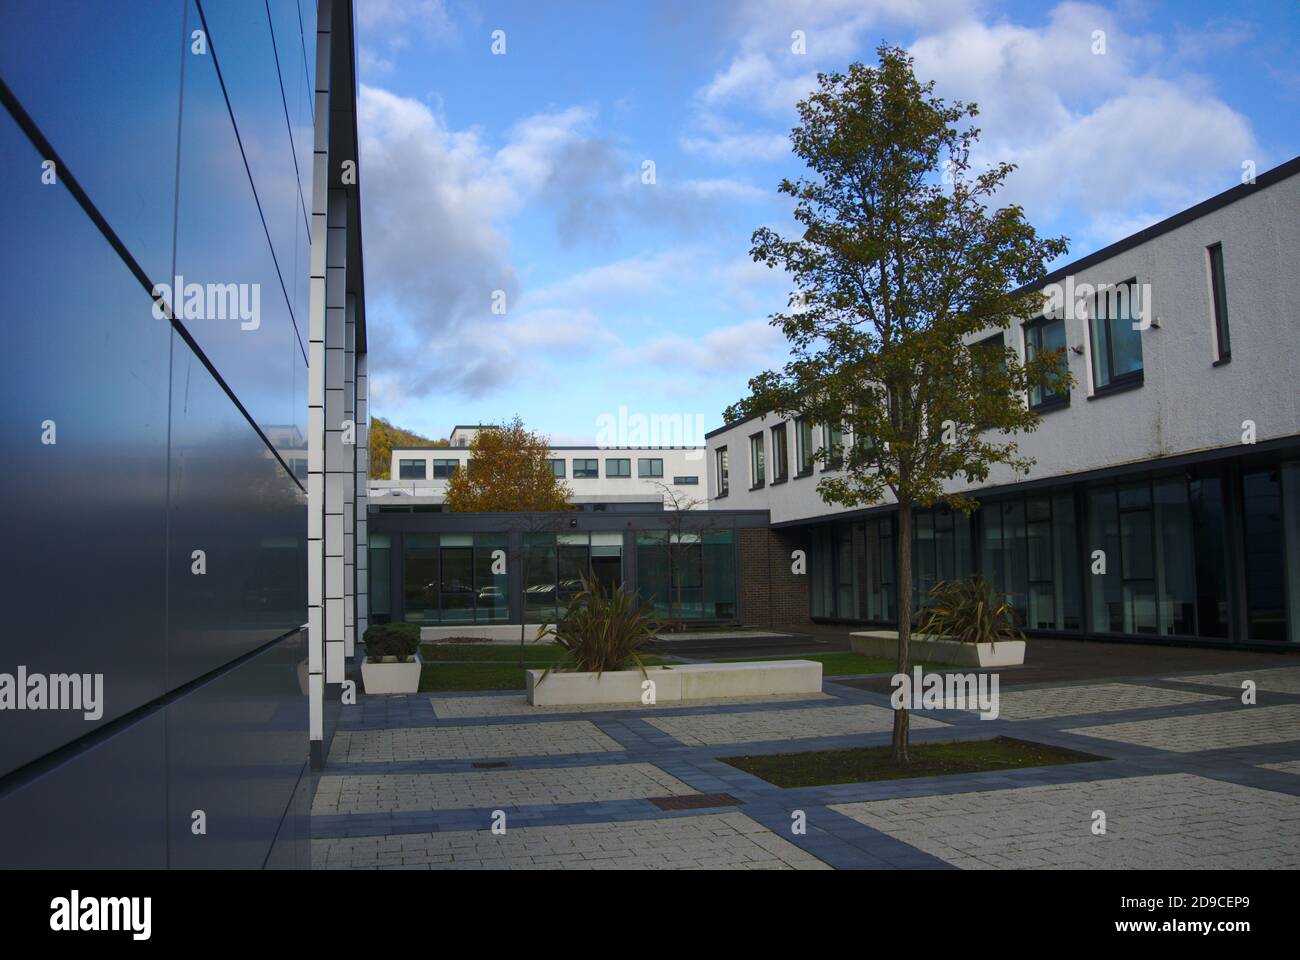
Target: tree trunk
x=902 y=753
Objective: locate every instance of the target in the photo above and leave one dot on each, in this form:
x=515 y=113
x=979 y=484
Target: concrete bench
x=683 y=682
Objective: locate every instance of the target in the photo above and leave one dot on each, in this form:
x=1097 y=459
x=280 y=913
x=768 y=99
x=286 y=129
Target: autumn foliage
x=507 y=472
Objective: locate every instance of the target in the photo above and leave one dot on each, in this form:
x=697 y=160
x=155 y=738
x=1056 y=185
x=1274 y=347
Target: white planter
x=391 y=677
x=884 y=643
x=694 y=681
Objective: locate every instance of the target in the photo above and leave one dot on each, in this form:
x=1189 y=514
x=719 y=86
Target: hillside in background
x=383 y=437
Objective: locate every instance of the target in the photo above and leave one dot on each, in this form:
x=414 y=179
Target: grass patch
x=864 y=764
x=844 y=664
x=535 y=653
x=446 y=675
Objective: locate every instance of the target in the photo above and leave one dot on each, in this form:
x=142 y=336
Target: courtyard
x=1185 y=776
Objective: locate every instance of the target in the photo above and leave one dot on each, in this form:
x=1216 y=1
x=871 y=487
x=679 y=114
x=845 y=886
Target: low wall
x=693 y=681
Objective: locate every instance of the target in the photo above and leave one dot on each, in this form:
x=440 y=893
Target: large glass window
x=557 y=466
x=586 y=469
x=688 y=575
x=1043 y=337
x=491 y=583
x=1030 y=551
x=1213 y=607
x=1265 y=555
x=410 y=469
x=724 y=472
x=618 y=467
x=1143 y=530
x=420 y=577
x=652 y=467
x=443 y=469
x=757 y=467
x=1116 y=345
x=379 y=571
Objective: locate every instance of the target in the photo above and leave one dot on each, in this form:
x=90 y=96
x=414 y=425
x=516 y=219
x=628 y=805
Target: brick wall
x=772 y=595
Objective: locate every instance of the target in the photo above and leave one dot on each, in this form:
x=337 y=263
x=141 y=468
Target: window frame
x=618 y=468
x=757 y=461
x=404 y=464
x=780 y=454
x=803 y=447
x=1125 y=381
x=562 y=473
x=440 y=461
x=594 y=469
x=1032 y=331
x=1219 y=303
x=641 y=463
x=722 y=467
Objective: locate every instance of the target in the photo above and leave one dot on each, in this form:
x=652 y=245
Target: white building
x=1176 y=452
x=601 y=478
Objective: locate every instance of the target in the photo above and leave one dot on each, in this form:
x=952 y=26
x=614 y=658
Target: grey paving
x=473 y=742
x=720 y=841
x=783 y=724
x=493 y=788
x=1278 y=680
x=1046 y=702
x=1245 y=726
x=1167 y=821
x=516 y=705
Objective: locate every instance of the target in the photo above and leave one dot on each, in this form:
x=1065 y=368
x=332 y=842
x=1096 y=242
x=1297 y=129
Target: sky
x=519 y=263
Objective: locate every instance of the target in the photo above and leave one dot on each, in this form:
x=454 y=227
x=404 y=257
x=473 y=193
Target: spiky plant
x=969 y=611
x=602 y=630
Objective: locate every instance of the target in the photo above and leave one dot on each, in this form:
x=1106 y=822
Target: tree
x=508 y=472
x=900 y=265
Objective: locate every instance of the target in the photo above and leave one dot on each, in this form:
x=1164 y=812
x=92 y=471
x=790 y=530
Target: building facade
x=171 y=175
x=601 y=478
x=1164 y=501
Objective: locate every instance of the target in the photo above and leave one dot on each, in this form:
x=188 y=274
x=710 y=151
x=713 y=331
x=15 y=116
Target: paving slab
x=1243 y=727
x=1046 y=702
x=752 y=727
x=549 y=738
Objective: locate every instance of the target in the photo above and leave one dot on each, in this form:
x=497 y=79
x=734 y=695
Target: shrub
x=602 y=630
x=399 y=640
x=969 y=611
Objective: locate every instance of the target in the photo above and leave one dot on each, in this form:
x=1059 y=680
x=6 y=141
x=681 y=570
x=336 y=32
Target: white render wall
x=678 y=461
x=1185 y=405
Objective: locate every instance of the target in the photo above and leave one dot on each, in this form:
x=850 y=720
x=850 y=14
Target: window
x=780 y=457
x=756 y=466
x=557 y=467
x=443 y=469
x=686 y=481
x=1044 y=336
x=650 y=467
x=586 y=469
x=410 y=469
x=803 y=446
x=618 y=467
x=1219 y=295
x=1116 y=345
x=833 y=438
x=724 y=473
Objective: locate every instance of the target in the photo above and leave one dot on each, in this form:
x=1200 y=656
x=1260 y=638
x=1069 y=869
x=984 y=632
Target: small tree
x=900 y=265
x=508 y=472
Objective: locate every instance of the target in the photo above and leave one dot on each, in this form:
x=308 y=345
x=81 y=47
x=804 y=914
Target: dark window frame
x=590 y=469
x=780 y=454
x=1219 y=303
x=404 y=465
x=641 y=463
x=722 y=464
x=757 y=461
x=1129 y=379
x=618 y=468
x=561 y=473
x=803 y=447
x=1032 y=335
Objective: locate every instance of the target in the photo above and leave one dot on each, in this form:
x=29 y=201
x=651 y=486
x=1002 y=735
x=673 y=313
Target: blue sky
x=522 y=172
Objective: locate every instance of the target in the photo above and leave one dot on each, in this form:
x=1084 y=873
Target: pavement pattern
x=1190 y=777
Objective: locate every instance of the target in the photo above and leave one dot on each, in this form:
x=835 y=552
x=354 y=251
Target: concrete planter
x=693 y=681
x=379 y=677
x=493 y=632
x=884 y=643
